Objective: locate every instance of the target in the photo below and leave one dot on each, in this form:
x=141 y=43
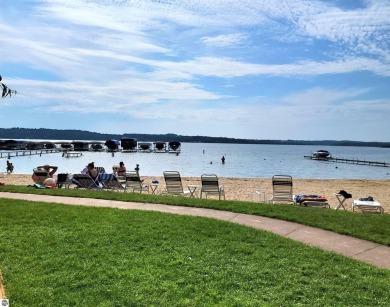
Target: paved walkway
x=373 y=253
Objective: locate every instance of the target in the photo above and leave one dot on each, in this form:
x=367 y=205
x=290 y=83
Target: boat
x=160 y=146
x=174 y=147
x=97 y=147
x=66 y=146
x=129 y=144
x=112 y=145
x=80 y=146
x=321 y=154
x=145 y=147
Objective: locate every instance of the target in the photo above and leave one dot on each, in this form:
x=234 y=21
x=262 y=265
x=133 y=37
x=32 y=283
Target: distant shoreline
x=70 y=135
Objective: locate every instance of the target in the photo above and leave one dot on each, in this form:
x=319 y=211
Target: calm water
x=251 y=161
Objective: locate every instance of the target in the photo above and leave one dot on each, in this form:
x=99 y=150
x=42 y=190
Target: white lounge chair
x=282 y=189
x=210 y=186
x=174 y=184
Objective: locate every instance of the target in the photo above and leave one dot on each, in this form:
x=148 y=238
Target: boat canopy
x=129 y=143
x=112 y=144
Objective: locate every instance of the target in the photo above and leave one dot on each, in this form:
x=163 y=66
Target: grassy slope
x=372 y=227
x=53 y=255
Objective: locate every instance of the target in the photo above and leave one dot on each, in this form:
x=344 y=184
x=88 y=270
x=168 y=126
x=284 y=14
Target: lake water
x=242 y=161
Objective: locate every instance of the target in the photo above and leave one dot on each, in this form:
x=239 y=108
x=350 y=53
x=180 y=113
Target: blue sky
x=275 y=69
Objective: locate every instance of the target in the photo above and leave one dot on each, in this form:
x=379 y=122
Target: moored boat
x=160 y=146
x=129 y=144
x=321 y=154
x=112 y=145
x=174 y=147
x=145 y=146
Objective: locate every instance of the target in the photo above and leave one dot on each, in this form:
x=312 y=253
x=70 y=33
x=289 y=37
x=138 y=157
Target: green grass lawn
x=56 y=255
x=372 y=227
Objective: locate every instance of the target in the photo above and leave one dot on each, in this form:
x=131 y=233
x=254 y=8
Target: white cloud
x=225 y=40
x=146 y=58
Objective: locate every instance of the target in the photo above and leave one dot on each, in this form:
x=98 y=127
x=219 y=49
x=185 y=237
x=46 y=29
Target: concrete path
x=366 y=251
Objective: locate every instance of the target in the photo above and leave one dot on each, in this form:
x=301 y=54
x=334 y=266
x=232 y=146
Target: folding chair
x=110 y=182
x=63 y=180
x=210 y=186
x=173 y=183
x=342 y=196
x=85 y=182
x=282 y=188
x=134 y=183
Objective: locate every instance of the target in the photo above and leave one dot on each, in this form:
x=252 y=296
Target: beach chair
x=40 y=175
x=210 y=186
x=367 y=206
x=173 y=184
x=311 y=200
x=282 y=189
x=63 y=180
x=83 y=181
x=110 y=182
x=342 y=196
x=134 y=183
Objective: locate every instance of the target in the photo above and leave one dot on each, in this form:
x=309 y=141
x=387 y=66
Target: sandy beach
x=244 y=188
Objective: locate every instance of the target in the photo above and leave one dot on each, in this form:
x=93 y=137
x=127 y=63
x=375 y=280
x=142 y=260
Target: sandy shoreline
x=244 y=188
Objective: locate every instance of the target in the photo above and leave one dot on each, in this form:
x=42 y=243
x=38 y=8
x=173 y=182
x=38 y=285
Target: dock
x=72 y=154
x=27 y=152
x=349 y=161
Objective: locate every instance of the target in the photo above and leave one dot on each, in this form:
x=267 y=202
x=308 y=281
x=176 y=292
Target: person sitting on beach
x=10 y=167
x=50 y=169
x=92 y=171
x=121 y=171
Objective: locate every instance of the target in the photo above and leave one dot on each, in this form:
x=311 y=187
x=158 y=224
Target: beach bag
x=367 y=198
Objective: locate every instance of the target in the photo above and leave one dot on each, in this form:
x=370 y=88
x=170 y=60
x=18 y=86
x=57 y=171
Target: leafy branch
x=5 y=90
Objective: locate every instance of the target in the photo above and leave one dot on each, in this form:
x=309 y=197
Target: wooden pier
x=27 y=152
x=71 y=154
x=349 y=161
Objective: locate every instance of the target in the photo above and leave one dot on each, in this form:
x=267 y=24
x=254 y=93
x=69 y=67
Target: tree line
x=72 y=134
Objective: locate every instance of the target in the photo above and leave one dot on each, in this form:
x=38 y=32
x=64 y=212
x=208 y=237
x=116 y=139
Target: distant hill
x=55 y=134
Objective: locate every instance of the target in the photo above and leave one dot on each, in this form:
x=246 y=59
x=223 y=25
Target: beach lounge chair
x=367 y=205
x=210 y=186
x=84 y=182
x=134 y=183
x=110 y=182
x=311 y=200
x=174 y=184
x=282 y=189
x=40 y=175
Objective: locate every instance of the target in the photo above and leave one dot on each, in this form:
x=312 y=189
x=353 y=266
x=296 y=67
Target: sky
x=251 y=69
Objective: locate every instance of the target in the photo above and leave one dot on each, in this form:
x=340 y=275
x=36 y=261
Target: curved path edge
x=362 y=250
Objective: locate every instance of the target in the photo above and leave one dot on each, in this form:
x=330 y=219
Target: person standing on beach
x=10 y=167
x=137 y=168
x=223 y=159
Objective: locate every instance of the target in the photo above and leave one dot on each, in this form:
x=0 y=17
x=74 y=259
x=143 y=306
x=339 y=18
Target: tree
x=5 y=90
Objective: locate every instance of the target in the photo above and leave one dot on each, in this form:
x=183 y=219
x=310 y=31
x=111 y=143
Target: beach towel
x=301 y=198
x=345 y=194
